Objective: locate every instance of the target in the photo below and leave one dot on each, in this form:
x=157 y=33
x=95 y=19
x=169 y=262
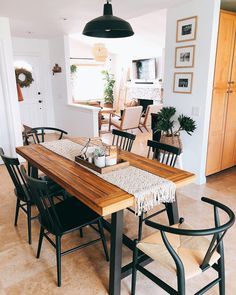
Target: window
x=87 y=81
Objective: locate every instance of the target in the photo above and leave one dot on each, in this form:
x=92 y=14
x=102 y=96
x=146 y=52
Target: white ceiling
x=44 y=18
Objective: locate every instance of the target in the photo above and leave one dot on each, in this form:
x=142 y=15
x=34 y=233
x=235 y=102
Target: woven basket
x=172 y=140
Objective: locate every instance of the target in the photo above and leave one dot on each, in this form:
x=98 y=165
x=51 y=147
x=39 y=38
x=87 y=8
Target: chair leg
x=17 y=211
x=58 y=252
x=181 y=283
x=134 y=269
x=140 y=129
x=40 y=241
x=29 y=222
x=81 y=232
x=221 y=275
x=104 y=243
x=140 y=226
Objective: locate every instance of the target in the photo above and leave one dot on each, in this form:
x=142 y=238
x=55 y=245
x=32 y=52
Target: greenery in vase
x=108 y=87
x=99 y=152
x=166 y=123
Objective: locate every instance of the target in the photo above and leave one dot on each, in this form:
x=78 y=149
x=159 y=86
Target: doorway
x=32 y=107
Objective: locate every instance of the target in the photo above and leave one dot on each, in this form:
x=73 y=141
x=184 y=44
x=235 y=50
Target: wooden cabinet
x=222 y=133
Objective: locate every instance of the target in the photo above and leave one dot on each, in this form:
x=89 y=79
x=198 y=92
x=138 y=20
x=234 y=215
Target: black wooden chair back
x=164 y=153
x=40 y=194
x=12 y=165
x=38 y=133
x=123 y=140
x=28 y=135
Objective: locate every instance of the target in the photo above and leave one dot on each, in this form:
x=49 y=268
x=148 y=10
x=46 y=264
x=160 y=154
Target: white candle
x=110 y=161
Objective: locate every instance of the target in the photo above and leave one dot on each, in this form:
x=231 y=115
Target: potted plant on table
x=165 y=130
x=108 y=89
x=100 y=157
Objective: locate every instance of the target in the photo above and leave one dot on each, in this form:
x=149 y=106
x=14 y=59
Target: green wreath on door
x=27 y=79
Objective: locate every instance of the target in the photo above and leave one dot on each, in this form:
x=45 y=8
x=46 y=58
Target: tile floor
x=86 y=272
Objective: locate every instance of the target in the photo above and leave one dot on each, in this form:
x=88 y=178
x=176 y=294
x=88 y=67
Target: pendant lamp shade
x=100 y=52
x=108 y=26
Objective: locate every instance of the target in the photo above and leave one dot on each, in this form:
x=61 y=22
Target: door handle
x=231 y=82
x=230 y=91
x=40 y=101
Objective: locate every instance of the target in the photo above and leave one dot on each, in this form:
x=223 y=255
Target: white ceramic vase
x=100 y=161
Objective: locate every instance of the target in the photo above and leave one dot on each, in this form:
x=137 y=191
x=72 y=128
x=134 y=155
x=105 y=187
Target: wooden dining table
x=103 y=197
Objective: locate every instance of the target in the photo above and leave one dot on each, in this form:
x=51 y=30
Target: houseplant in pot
x=100 y=157
x=165 y=130
x=108 y=89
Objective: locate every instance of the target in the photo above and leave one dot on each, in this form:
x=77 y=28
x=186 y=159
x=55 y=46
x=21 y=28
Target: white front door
x=32 y=107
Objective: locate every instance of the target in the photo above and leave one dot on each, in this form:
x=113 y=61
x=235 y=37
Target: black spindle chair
x=24 y=201
x=123 y=140
x=38 y=134
x=164 y=153
x=62 y=218
x=186 y=251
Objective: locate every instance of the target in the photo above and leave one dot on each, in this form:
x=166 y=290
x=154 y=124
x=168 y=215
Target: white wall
x=148 y=40
x=79 y=49
x=77 y=120
x=40 y=48
x=195 y=147
x=10 y=124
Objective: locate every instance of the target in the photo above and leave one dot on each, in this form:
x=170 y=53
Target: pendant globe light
x=108 y=25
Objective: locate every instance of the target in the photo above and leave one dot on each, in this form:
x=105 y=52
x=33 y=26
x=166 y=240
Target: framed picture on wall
x=183 y=82
x=186 y=29
x=184 y=56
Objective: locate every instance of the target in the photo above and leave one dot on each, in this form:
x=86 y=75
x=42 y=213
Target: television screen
x=144 y=69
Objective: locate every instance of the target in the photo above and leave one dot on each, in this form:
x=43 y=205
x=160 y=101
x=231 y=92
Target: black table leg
x=32 y=171
x=116 y=253
x=172 y=211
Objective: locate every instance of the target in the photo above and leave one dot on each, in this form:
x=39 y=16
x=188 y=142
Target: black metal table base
x=116 y=229
x=172 y=212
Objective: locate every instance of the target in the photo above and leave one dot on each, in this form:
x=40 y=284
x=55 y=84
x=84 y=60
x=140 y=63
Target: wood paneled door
x=222 y=132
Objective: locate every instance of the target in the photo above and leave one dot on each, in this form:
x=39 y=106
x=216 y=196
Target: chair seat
x=191 y=251
x=71 y=214
x=116 y=121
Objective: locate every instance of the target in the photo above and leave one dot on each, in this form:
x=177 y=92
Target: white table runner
x=148 y=189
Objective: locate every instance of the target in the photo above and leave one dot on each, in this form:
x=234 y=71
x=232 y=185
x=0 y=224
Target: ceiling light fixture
x=108 y=26
x=100 y=52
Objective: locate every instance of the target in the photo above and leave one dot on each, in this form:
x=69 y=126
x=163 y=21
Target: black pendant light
x=108 y=26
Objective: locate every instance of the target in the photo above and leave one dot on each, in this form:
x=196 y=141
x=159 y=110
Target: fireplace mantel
x=144 y=91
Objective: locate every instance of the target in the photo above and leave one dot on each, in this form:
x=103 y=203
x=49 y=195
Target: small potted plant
x=100 y=157
x=165 y=126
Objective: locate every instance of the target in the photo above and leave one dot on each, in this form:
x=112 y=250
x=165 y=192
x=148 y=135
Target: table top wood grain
x=101 y=196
